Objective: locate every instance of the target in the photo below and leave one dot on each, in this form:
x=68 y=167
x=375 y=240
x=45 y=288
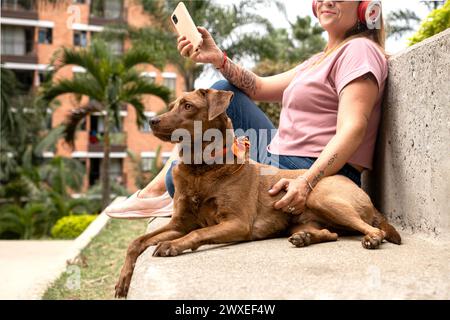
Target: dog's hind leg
x=309 y=233
x=380 y=221
x=351 y=210
x=167 y=232
x=345 y=215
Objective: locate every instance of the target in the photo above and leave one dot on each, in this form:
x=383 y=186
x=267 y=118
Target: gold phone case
x=185 y=26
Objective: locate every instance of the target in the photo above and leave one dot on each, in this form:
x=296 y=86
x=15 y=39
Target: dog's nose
x=153 y=121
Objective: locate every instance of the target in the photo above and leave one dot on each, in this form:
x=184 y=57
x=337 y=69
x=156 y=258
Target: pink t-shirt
x=310 y=103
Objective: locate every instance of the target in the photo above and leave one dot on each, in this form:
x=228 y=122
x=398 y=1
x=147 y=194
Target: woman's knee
x=224 y=85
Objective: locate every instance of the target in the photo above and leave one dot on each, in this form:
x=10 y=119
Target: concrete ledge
x=274 y=269
x=410 y=182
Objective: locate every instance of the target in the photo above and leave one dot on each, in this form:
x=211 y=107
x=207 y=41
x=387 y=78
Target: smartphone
x=185 y=26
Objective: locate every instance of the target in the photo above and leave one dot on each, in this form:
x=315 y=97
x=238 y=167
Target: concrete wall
x=410 y=182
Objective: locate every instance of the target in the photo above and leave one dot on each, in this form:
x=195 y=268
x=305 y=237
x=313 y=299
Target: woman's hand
x=208 y=51
x=294 y=201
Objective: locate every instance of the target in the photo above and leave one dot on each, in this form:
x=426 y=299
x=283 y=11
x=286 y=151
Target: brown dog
x=219 y=203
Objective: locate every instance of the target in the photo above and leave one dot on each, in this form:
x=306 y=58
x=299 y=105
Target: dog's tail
x=392 y=235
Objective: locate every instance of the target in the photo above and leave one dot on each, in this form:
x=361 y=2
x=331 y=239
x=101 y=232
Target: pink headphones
x=369 y=12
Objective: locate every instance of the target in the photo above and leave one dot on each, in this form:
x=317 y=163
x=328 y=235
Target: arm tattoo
x=240 y=77
x=317 y=178
x=321 y=173
x=330 y=162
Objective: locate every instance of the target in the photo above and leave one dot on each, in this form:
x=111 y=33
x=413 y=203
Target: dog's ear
x=218 y=101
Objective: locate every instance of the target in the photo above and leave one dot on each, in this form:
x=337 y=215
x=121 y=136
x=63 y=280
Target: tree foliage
x=237 y=28
x=110 y=81
x=405 y=20
x=437 y=21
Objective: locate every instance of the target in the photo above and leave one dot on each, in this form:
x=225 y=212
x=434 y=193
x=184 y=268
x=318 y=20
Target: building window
x=82 y=125
x=108 y=9
x=146 y=127
x=45 y=35
x=43 y=76
x=115 y=170
x=97 y=125
x=113 y=9
x=48 y=119
x=80 y=38
x=170 y=82
x=18 y=4
x=147 y=163
x=94 y=170
x=149 y=76
x=25 y=79
x=13 y=41
x=116 y=46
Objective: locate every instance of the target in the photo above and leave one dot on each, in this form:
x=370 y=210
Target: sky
x=303 y=7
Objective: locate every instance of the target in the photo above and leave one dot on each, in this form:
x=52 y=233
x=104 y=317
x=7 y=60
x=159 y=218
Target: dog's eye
x=187 y=106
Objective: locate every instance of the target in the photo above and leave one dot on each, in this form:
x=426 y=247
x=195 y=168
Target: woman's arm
x=268 y=89
x=356 y=102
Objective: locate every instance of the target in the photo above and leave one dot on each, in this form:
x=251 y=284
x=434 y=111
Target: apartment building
x=31 y=31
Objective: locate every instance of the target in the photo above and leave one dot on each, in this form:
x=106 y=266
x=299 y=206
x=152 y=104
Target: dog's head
x=205 y=105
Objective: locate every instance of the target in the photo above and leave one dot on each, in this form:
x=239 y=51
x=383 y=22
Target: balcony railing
x=21 y=9
x=118 y=142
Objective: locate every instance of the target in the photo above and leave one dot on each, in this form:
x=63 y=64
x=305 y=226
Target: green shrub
x=437 y=21
x=70 y=227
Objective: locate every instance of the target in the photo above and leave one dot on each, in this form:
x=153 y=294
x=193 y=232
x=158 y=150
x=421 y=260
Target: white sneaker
x=140 y=208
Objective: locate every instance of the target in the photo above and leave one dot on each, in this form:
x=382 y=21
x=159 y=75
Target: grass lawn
x=97 y=269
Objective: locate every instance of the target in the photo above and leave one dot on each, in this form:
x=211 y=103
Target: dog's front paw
x=166 y=249
x=300 y=239
x=372 y=241
x=123 y=285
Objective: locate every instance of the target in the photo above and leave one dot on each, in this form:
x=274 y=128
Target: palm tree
x=22 y=121
x=110 y=81
x=25 y=222
x=63 y=173
x=223 y=22
x=8 y=90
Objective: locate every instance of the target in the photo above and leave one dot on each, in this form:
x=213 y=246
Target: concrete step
x=274 y=269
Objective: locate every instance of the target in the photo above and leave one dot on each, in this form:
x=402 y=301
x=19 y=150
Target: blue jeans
x=245 y=115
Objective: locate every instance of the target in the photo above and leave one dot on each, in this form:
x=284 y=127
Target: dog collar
x=239 y=148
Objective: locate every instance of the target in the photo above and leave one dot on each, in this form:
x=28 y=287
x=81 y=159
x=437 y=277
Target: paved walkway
x=26 y=266
x=274 y=269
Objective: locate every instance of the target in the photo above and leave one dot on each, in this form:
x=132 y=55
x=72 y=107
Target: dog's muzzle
x=154 y=121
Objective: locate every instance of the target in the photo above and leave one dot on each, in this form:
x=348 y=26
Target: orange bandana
x=240 y=146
